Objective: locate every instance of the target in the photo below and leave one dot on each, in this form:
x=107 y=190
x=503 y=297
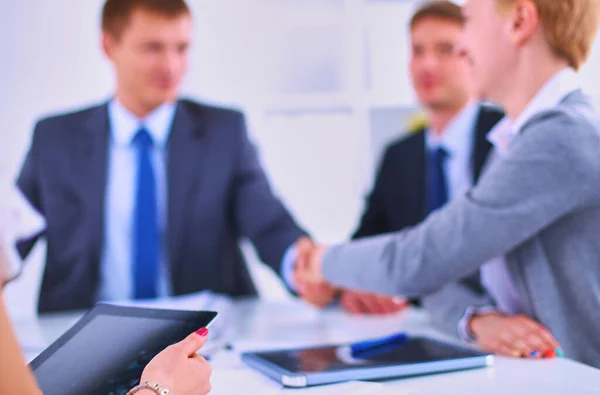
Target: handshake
x=315 y=290
x=308 y=276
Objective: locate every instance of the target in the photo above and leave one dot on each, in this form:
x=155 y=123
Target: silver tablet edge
x=294 y=381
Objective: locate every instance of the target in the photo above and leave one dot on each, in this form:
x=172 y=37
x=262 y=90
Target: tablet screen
x=108 y=353
x=331 y=359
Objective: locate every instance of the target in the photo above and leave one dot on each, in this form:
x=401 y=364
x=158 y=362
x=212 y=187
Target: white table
x=260 y=325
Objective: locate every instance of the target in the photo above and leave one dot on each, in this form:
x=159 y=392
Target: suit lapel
x=420 y=175
x=90 y=166
x=486 y=120
x=413 y=167
x=185 y=158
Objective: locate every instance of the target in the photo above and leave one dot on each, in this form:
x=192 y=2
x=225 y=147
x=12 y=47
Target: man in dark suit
x=436 y=161
x=147 y=195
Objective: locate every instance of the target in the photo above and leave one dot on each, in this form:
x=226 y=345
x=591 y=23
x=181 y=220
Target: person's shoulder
x=208 y=111
x=411 y=140
x=571 y=130
x=73 y=116
x=574 y=119
x=65 y=122
x=226 y=125
x=401 y=152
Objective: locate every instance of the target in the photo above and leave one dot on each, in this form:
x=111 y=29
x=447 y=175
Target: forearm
x=521 y=194
x=15 y=377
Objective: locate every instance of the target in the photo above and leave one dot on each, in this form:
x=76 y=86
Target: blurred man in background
x=436 y=162
x=148 y=194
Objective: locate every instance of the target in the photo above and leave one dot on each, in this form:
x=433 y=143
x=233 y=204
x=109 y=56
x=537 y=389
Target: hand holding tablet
x=179 y=368
x=108 y=350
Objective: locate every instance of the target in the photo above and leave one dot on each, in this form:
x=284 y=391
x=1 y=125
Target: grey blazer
x=217 y=194
x=538 y=204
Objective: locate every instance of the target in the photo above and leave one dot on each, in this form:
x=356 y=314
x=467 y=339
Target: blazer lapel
x=90 y=165
x=419 y=174
x=185 y=158
x=409 y=185
x=486 y=120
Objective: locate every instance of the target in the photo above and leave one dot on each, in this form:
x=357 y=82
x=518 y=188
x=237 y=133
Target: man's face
x=150 y=57
x=489 y=46
x=441 y=76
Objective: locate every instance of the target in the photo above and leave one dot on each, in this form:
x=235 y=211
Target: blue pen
x=399 y=338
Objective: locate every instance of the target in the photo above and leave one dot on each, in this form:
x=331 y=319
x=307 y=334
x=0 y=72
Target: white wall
x=50 y=61
x=590 y=74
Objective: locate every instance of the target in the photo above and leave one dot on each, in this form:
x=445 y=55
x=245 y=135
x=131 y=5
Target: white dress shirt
x=18 y=221
x=494 y=273
x=458 y=139
x=117 y=255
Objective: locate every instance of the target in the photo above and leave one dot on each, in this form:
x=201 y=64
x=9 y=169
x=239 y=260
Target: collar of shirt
x=124 y=125
x=552 y=93
x=454 y=139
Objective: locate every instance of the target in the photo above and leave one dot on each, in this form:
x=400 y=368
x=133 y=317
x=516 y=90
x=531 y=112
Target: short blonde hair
x=570 y=26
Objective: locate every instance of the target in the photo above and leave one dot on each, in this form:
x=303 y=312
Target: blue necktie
x=145 y=227
x=437 y=187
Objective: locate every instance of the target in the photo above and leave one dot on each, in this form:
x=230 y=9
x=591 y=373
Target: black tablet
x=371 y=360
x=106 y=351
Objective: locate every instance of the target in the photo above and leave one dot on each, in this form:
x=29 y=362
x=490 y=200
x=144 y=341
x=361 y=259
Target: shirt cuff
x=288 y=266
x=463 y=325
x=18 y=221
x=10 y=262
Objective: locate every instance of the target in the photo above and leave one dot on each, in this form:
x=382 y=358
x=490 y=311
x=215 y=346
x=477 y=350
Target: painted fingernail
x=517 y=353
x=534 y=354
x=202 y=332
x=399 y=301
x=559 y=352
x=549 y=354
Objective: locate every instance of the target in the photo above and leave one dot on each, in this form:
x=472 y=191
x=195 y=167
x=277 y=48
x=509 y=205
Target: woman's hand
x=179 y=369
x=517 y=336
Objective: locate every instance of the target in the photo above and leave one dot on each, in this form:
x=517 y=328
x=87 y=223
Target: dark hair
x=116 y=13
x=440 y=9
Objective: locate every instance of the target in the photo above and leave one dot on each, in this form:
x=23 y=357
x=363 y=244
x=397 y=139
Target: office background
x=324 y=84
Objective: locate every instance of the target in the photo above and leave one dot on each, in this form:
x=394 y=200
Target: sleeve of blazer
x=550 y=170
x=28 y=183
x=259 y=215
x=374 y=220
x=448 y=305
